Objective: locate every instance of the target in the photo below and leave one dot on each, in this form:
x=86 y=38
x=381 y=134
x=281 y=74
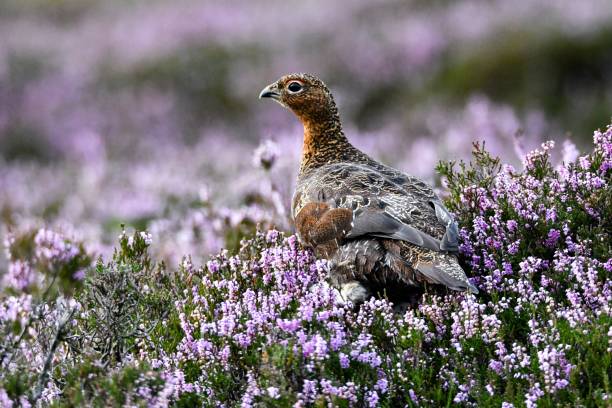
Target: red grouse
x=383 y=231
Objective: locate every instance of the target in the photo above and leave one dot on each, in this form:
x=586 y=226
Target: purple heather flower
x=569 y=152
x=309 y=390
x=54 y=248
x=514 y=247
x=382 y=384
x=496 y=366
x=551 y=214
x=19 y=275
x=413 y=396
x=344 y=360
x=372 y=398
x=533 y=396
x=461 y=397
x=552 y=238
x=147 y=238
x=555 y=368
x=584 y=162
x=289 y=325
x=5 y=401
x=273 y=392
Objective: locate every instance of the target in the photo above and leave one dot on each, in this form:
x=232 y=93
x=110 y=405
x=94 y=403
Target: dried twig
x=44 y=375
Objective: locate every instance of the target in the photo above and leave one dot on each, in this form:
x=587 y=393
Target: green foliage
x=92 y=384
x=124 y=300
x=120 y=304
x=480 y=172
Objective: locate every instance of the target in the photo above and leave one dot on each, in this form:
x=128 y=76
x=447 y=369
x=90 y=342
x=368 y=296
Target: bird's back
x=353 y=184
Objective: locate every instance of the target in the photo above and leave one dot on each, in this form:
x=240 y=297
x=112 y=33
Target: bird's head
x=305 y=95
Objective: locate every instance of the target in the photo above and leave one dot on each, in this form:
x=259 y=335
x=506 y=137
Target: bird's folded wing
x=373 y=221
x=437 y=274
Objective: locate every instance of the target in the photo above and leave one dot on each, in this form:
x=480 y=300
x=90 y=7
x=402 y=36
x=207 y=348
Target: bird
x=384 y=232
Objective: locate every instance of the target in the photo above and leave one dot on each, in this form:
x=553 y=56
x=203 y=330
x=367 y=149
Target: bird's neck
x=324 y=143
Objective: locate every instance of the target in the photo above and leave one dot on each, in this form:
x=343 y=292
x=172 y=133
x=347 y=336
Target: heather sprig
x=123 y=302
x=42 y=259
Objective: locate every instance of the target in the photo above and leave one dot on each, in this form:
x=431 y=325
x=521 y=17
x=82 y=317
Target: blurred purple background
x=146 y=112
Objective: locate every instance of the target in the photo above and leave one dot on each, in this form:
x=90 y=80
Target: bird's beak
x=270 y=91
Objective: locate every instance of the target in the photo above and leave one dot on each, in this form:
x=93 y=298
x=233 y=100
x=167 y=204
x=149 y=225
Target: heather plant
x=123 y=301
x=261 y=326
x=538 y=242
x=75 y=342
x=37 y=310
x=122 y=306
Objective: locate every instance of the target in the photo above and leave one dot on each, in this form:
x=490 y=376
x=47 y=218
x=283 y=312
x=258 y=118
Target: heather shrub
x=71 y=329
x=125 y=306
x=123 y=301
x=37 y=311
x=261 y=326
x=538 y=243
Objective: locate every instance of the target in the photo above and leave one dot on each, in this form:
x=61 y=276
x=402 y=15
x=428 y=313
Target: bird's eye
x=294 y=87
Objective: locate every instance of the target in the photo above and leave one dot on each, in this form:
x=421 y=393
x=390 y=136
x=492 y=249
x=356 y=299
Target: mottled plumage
x=383 y=230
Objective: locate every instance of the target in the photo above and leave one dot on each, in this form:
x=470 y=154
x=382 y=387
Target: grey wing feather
x=440 y=276
x=378 y=223
x=450 y=240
